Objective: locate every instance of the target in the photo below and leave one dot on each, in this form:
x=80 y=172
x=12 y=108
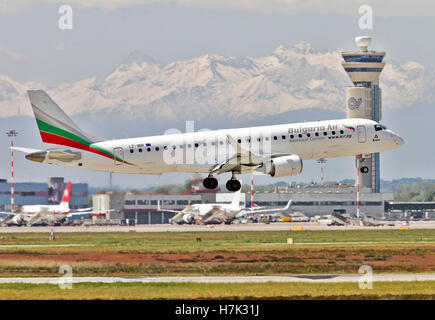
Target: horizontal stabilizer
x=26 y=150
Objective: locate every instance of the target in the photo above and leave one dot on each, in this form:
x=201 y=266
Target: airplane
x=277 y=150
x=213 y=213
x=32 y=214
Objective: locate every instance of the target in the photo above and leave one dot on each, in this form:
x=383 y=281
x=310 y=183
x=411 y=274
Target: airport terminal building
x=28 y=193
x=310 y=200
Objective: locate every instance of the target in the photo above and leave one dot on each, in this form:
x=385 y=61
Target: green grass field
x=381 y=290
x=218 y=239
x=219 y=253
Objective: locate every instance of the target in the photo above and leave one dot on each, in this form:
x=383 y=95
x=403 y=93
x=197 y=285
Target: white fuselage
x=45 y=209
x=202 y=151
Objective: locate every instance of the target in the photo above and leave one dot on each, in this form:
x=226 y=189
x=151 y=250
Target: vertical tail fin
x=54 y=124
x=236 y=199
x=66 y=194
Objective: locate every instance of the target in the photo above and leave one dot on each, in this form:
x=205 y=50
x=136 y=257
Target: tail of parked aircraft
x=66 y=195
x=54 y=124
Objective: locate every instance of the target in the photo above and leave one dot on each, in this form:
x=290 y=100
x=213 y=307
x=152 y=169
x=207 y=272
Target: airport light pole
x=321 y=161
x=252 y=194
x=357 y=185
x=12 y=134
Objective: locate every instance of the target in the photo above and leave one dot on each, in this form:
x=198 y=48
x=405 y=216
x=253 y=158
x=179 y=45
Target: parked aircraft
x=32 y=214
x=215 y=213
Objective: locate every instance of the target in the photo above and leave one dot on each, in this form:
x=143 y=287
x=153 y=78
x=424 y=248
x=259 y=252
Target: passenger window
x=308 y=135
x=131 y=151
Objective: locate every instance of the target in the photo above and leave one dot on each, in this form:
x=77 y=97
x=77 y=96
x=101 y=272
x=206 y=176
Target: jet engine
x=188 y=218
x=17 y=219
x=284 y=166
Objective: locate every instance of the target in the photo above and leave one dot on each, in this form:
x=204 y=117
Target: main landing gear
x=232 y=185
x=210 y=182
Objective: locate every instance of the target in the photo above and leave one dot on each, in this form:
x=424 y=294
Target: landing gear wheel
x=210 y=183
x=364 y=169
x=233 y=185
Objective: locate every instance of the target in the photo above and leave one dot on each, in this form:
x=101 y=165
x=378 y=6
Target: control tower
x=363 y=100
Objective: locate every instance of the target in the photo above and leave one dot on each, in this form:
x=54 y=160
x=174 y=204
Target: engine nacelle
x=188 y=218
x=284 y=166
x=17 y=219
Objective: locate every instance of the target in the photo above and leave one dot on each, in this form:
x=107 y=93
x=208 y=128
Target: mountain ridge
x=224 y=87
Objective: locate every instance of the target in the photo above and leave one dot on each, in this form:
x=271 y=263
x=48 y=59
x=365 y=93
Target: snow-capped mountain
x=239 y=89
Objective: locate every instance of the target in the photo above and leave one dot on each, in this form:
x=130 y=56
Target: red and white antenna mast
x=12 y=134
x=321 y=161
x=252 y=194
x=357 y=186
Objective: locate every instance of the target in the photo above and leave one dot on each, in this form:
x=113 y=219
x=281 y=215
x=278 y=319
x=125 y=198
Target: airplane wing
x=243 y=160
x=14 y=213
x=167 y=210
x=271 y=209
x=36 y=218
x=85 y=213
x=214 y=211
x=8 y=217
x=11 y=215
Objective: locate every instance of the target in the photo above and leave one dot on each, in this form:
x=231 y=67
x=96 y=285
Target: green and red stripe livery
x=51 y=134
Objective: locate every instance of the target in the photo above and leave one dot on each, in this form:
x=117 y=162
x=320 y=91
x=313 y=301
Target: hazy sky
x=33 y=48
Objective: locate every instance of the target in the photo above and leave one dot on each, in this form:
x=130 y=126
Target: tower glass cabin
x=363 y=99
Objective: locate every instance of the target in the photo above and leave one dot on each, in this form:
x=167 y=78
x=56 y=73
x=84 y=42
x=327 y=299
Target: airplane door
x=118 y=153
x=362 y=135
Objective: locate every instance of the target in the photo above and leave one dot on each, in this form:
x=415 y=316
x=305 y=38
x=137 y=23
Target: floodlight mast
x=12 y=134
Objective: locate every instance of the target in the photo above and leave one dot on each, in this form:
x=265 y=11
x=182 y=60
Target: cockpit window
x=379 y=127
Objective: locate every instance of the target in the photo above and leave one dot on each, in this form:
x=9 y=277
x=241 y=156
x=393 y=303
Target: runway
x=277 y=226
x=228 y=279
